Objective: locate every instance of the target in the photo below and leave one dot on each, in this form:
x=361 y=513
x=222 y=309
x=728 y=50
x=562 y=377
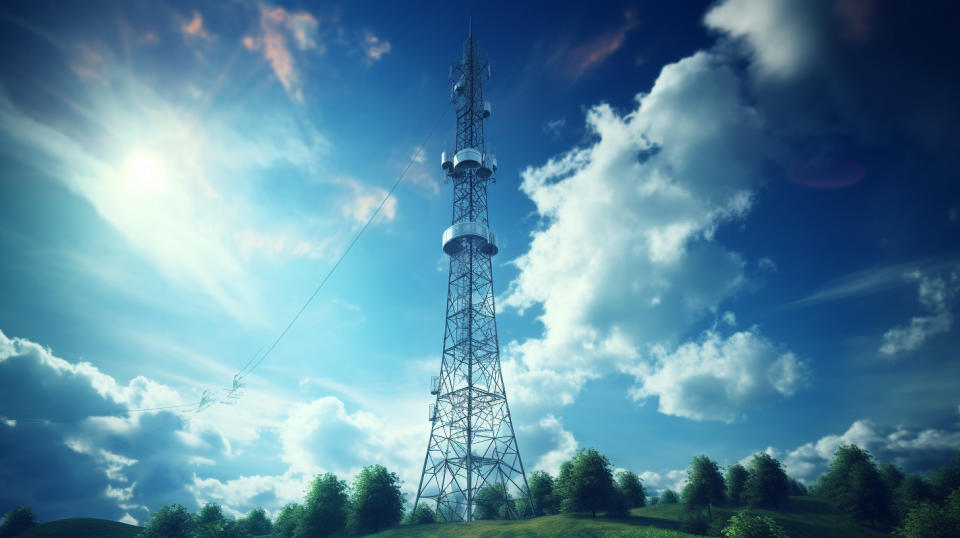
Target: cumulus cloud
x=655 y=483
x=782 y=35
x=718 y=378
x=73 y=451
x=626 y=255
x=935 y=293
x=549 y=442
x=915 y=451
x=277 y=28
x=73 y=447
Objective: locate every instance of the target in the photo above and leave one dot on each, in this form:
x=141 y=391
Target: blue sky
x=725 y=227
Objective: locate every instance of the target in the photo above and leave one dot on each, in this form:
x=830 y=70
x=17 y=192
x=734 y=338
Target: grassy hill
x=801 y=517
x=83 y=527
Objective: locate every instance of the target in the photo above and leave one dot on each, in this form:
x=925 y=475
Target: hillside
x=83 y=527
x=801 y=517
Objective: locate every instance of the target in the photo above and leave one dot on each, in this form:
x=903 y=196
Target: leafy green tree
x=377 y=500
x=927 y=520
x=795 y=487
x=256 y=523
x=669 y=497
x=170 y=521
x=17 y=520
x=632 y=489
x=912 y=490
x=492 y=502
x=653 y=501
x=619 y=504
x=854 y=484
x=767 y=485
x=946 y=478
x=585 y=483
x=423 y=515
x=287 y=521
x=325 y=513
x=545 y=499
x=736 y=483
x=744 y=525
x=892 y=475
x=210 y=522
x=210 y=513
x=704 y=485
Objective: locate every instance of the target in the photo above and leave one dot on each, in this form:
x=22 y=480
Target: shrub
x=744 y=525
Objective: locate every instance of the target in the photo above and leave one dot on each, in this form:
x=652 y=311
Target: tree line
x=879 y=495
x=330 y=507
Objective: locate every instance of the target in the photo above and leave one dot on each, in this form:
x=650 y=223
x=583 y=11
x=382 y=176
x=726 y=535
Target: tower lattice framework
x=472 y=443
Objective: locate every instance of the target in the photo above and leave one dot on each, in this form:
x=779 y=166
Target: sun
x=145 y=172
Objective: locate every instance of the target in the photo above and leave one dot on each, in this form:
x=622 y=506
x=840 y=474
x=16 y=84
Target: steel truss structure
x=472 y=442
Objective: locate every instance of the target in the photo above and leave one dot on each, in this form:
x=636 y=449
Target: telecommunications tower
x=472 y=444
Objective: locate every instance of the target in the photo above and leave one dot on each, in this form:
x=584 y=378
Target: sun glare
x=145 y=172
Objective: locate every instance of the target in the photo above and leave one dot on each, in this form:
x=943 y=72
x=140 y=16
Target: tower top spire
x=470 y=26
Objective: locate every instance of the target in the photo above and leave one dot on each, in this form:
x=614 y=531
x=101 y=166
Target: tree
x=492 y=502
x=325 y=512
x=704 y=485
x=545 y=500
x=377 y=501
x=654 y=501
x=946 y=478
x=287 y=521
x=632 y=489
x=210 y=513
x=892 y=475
x=669 y=497
x=256 y=523
x=927 y=520
x=743 y=525
x=767 y=485
x=422 y=515
x=854 y=484
x=585 y=483
x=17 y=520
x=736 y=482
x=795 y=487
x=170 y=521
x=912 y=490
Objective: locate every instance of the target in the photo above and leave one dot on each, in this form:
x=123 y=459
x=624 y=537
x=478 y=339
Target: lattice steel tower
x=472 y=443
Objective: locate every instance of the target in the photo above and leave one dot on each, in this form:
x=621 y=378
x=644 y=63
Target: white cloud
x=916 y=451
x=781 y=35
x=549 y=440
x=363 y=199
x=626 y=255
x=935 y=293
x=654 y=483
x=374 y=48
x=729 y=318
x=718 y=378
x=128 y=519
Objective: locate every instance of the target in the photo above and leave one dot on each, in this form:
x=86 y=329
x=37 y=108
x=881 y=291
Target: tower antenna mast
x=472 y=443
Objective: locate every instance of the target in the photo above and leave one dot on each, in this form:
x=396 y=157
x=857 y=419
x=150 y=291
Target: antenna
x=472 y=443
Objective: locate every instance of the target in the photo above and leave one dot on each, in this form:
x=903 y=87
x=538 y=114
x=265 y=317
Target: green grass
x=83 y=527
x=562 y=525
x=801 y=517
